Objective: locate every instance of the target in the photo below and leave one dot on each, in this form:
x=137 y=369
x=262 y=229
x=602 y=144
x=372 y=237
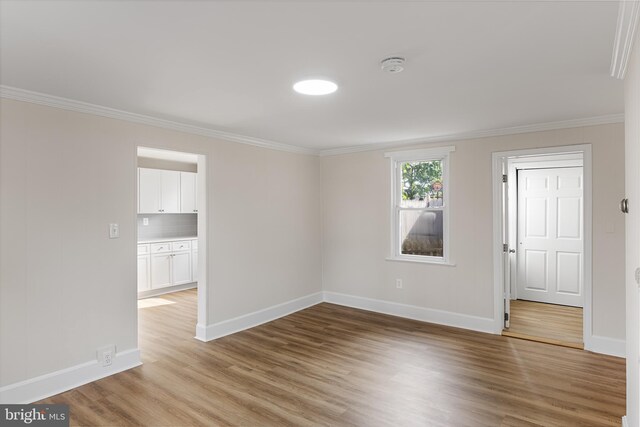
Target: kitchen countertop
x=166 y=239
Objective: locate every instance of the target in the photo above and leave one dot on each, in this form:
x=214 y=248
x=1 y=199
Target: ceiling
x=230 y=66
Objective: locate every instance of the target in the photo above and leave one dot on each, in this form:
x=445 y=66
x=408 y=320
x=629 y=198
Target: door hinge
x=504 y=178
x=506 y=317
x=505 y=247
x=637 y=274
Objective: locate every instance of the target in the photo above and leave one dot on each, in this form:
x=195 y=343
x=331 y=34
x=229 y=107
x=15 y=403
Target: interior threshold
x=519 y=335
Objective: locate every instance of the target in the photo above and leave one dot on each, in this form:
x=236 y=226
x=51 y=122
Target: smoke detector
x=394 y=64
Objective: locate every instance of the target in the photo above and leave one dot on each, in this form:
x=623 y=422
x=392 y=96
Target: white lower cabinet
x=194 y=266
x=165 y=264
x=144 y=273
x=161 y=270
x=144 y=268
x=194 y=260
x=181 y=268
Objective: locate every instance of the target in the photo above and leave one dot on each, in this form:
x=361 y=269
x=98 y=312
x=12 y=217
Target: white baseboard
x=53 y=383
x=625 y=423
x=201 y=332
x=606 y=345
x=597 y=344
x=161 y=291
x=448 y=318
x=240 y=323
x=60 y=381
x=227 y=327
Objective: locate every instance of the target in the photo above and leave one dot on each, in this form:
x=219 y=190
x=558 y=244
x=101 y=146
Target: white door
x=506 y=252
x=149 y=182
x=170 y=191
x=188 y=203
x=632 y=232
x=550 y=238
x=181 y=268
x=160 y=270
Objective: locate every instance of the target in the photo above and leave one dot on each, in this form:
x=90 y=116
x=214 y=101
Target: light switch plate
x=114 y=231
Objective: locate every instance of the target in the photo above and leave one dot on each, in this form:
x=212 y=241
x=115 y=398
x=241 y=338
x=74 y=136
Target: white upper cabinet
x=149 y=190
x=158 y=191
x=188 y=192
x=170 y=191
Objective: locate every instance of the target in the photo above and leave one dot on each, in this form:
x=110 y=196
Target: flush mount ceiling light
x=315 y=87
x=395 y=64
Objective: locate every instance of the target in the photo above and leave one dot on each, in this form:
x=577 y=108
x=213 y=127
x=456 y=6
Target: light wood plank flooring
x=550 y=323
x=337 y=366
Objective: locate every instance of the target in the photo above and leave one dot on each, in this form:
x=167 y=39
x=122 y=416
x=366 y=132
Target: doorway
x=547 y=289
x=171 y=206
x=542 y=209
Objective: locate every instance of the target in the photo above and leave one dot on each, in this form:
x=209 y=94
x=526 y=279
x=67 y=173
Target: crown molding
x=625 y=36
x=99 y=110
x=84 y=107
x=539 y=127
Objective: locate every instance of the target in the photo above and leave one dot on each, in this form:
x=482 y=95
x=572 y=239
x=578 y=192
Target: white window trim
x=427 y=154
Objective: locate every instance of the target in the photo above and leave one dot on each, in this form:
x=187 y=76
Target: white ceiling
x=229 y=66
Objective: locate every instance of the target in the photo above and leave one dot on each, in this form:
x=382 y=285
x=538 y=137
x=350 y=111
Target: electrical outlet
x=399 y=283
x=145 y=221
x=106 y=354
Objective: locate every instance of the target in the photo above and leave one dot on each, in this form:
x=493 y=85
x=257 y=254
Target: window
x=420 y=205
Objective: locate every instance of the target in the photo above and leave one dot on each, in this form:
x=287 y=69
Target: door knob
x=512 y=251
x=624 y=205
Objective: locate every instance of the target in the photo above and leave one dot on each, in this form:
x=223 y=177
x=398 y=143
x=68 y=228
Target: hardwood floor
x=332 y=365
x=550 y=323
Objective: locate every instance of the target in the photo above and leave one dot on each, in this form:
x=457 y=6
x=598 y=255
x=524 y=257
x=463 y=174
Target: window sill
x=421 y=261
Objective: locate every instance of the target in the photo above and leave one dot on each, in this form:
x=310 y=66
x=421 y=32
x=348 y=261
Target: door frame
x=203 y=202
x=501 y=159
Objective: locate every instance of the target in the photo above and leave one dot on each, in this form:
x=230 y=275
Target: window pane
x=421 y=233
x=422 y=184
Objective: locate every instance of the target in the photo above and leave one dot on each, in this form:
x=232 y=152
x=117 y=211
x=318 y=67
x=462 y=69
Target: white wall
x=632 y=137
x=274 y=198
x=66 y=289
x=356 y=192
